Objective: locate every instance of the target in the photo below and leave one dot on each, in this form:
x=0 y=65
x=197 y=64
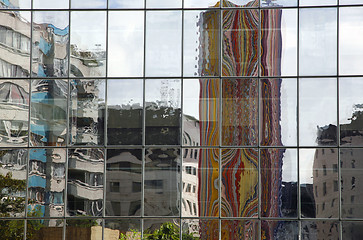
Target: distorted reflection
x=88 y=44
x=50 y=44
x=48 y=112
x=46 y=183
x=124 y=111
x=16 y=4
x=161 y=228
x=13 y=182
x=15 y=43
x=200 y=187
x=239 y=186
x=278 y=182
x=86 y=116
x=162 y=109
x=351 y=182
x=311 y=230
x=319 y=187
x=14 y=112
x=352 y=230
x=280 y=230
x=44 y=229
x=162 y=175
x=124 y=182
x=16 y=233
x=124 y=228
x=279 y=3
x=239 y=229
x=240 y=3
x=203 y=229
x=85 y=182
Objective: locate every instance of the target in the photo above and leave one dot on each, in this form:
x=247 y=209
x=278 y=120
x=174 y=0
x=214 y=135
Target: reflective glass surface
x=163 y=43
x=50 y=229
x=17 y=227
x=279 y=3
x=200 y=3
x=201 y=48
x=85 y=182
x=162 y=111
x=240 y=31
x=240 y=97
x=318 y=3
x=318 y=41
x=126 y=4
x=46 y=182
x=162 y=175
x=352 y=230
x=239 y=3
x=89 y=4
x=319 y=185
x=320 y=230
x=277 y=230
x=50 y=41
x=14 y=113
x=123 y=182
x=201 y=112
x=163 y=3
x=88 y=44
x=50 y=4
x=124 y=111
x=125 y=38
x=200 y=229
x=239 y=229
x=279 y=182
x=129 y=228
x=48 y=123
x=86 y=113
x=317 y=111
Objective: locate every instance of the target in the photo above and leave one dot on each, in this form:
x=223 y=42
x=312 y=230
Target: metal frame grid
x=221 y=78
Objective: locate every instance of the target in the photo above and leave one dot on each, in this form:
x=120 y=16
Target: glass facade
x=198 y=119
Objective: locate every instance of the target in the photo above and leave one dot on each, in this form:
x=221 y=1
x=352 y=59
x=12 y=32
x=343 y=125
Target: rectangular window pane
x=89 y=4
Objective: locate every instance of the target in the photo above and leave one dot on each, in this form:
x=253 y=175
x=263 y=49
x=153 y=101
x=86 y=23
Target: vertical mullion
x=298 y=113
x=181 y=126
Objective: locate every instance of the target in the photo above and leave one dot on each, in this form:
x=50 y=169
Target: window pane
x=239 y=229
x=200 y=3
x=350 y=39
x=88 y=43
x=126 y=44
x=89 y=4
x=240 y=3
x=37 y=228
x=163 y=43
x=17 y=229
x=124 y=111
x=163 y=4
x=86 y=115
x=129 y=228
x=123 y=182
x=276 y=230
x=320 y=230
x=50 y=4
x=352 y=230
x=240 y=31
x=126 y=4
x=318 y=41
x=318 y=3
x=278 y=3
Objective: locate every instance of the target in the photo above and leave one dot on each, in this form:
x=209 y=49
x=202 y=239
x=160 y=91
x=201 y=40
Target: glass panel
x=318 y=3
x=352 y=230
x=318 y=41
x=279 y=3
x=350 y=39
x=86 y=116
x=239 y=196
x=126 y=4
x=125 y=44
x=203 y=229
x=318 y=112
x=162 y=175
x=15 y=43
x=14 y=113
x=351 y=178
x=17 y=229
x=48 y=124
x=125 y=228
x=200 y=3
x=124 y=111
x=201 y=43
x=161 y=228
x=83 y=228
x=280 y=230
x=348 y=2
x=50 y=43
x=319 y=183
x=46 y=182
x=239 y=229
x=240 y=3
x=16 y=4
x=44 y=229
x=162 y=99
x=200 y=178
x=89 y=4
x=13 y=184
x=85 y=182
x=51 y=4
x=123 y=182
x=88 y=43
x=240 y=42
x=240 y=97
x=278 y=42
x=278 y=109
x=201 y=112
x=278 y=182
x=350 y=111
x=163 y=43
x=320 y=230
x=163 y=4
